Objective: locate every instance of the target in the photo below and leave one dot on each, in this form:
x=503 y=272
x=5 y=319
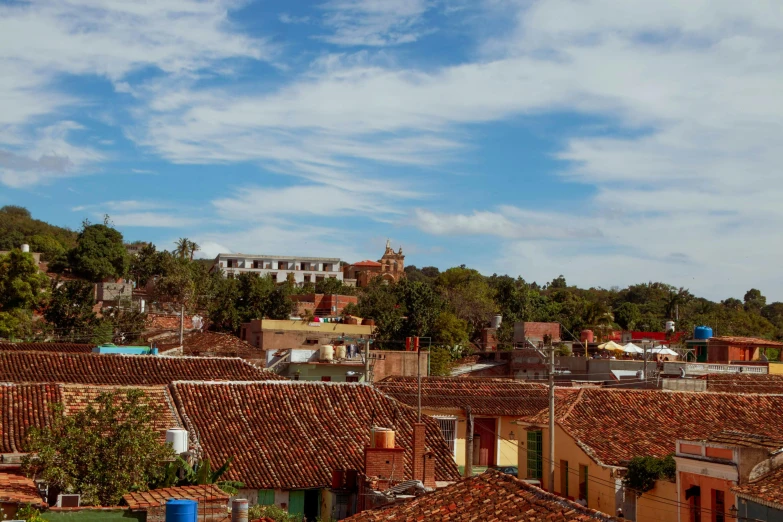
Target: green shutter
x=296 y=502
x=535 y=455
x=266 y=497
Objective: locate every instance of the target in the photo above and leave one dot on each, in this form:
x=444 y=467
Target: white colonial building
x=304 y=269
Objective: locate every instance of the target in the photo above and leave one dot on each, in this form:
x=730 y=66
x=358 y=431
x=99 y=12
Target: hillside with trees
x=451 y=307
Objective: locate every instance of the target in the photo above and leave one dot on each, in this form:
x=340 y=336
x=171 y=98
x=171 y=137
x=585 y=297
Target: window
x=535 y=455
x=351 y=378
x=326 y=378
x=564 y=478
x=448 y=427
x=583 y=482
x=311 y=341
x=718 y=506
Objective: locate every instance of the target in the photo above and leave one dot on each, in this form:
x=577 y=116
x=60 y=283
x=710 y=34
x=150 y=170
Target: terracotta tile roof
x=76 y=397
x=750 y=341
x=47 y=347
x=21 y=407
x=141 y=500
x=744 y=383
x=747 y=440
x=214 y=344
x=292 y=434
x=18 y=489
x=489 y=497
x=613 y=426
x=132 y=370
x=766 y=490
x=484 y=396
x=367 y=263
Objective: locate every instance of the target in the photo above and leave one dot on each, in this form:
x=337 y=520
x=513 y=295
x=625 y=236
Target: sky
x=611 y=141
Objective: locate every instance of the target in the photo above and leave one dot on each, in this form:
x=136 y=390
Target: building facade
x=280 y=268
x=390 y=267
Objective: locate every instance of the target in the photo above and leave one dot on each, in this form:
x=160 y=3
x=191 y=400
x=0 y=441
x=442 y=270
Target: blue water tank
x=181 y=510
x=702 y=332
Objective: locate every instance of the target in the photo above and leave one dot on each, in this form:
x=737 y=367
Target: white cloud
x=287 y=18
x=152 y=220
x=39 y=41
x=375 y=22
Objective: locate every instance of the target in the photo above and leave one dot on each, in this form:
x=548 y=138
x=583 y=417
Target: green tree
x=449 y=330
x=70 y=312
x=179 y=473
x=49 y=247
x=21 y=283
x=558 y=282
x=223 y=313
x=469 y=296
x=441 y=361
x=16 y=324
x=643 y=472
x=378 y=301
x=99 y=254
x=754 y=301
x=147 y=264
x=421 y=306
x=185 y=248
x=332 y=285
x=102 y=452
x=627 y=316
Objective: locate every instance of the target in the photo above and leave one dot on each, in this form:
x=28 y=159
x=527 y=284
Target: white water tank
x=178 y=438
x=496 y=321
x=669 y=326
x=341 y=351
x=327 y=352
x=25 y=248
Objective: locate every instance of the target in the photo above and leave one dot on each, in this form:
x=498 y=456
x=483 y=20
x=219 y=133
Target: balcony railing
x=671 y=368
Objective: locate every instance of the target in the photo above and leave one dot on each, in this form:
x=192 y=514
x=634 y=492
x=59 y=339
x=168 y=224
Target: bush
x=276 y=513
x=643 y=472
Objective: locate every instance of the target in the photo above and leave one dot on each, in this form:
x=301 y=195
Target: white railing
x=702 y=368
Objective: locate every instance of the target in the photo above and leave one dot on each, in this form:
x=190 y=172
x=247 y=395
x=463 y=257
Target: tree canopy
x=99 y=254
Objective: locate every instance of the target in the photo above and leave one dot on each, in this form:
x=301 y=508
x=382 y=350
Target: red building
x=726 y=350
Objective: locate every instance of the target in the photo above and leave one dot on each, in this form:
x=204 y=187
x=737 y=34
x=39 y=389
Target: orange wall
x=707 y=484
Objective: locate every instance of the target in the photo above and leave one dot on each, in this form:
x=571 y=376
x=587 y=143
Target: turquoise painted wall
x=125 y=350
x=124 y=515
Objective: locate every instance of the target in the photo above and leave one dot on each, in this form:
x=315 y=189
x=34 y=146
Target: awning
x=693 y=491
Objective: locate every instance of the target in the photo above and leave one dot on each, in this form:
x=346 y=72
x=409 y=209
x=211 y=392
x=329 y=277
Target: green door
x=296 y=503
x=266 y=497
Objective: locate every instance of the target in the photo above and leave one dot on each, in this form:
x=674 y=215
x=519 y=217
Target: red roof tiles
x=767 y=490
x=489 y=497
x=23 y=406
x=47 y=347
x=613 y=426
x=484 y=396
x=18 y=489
x=744 y=383
x=368 y=263
x=133 y=370
x=214 y=344
x=141 y=500
x=291 y=435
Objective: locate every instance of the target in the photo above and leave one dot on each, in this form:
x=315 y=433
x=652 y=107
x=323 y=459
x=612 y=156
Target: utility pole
x=551 y=417
x=418 y=372
x=181 y=324
x=367 y=361
x=469 y=443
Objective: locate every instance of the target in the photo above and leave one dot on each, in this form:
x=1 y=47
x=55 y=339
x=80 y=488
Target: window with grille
x=535 y=455
x=448 y=427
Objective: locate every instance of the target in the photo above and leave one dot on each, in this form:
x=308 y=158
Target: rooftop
x=31 y=405
x=283 y=258
x=115 y=369
x=747 y=440
x=211 y=344
x=294 y=325
x=141 y=500
x=292 y=434
x=47 y=347
x=484 y=396
x=766 y=490
x=613 y=426
x=368 y=263
x=744 y=383
x=489 y=497
x=18 y=489
x=748 y=341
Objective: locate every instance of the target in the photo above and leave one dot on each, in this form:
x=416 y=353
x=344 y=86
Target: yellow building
x=603 y=429
x=493 y=404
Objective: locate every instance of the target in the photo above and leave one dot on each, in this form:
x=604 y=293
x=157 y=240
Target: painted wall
x=707 y=485
x=506 y=448
x=602 y=485
x=314 y=371
x=776 y=368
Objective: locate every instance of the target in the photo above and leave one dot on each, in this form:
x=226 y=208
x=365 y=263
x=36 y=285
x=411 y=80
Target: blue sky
x=612 y=141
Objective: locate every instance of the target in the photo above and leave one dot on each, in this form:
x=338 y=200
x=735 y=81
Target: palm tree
x=183 y=247
x=192 y=249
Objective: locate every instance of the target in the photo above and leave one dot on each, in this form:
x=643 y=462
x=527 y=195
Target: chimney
x=423 y=460
x=383 y=460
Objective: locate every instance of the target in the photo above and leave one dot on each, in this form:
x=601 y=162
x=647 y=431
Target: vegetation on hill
x=17 y=227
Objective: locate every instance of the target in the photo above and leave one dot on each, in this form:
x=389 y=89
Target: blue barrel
x=154 y=350
x=181 y=510
x=702 y=332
